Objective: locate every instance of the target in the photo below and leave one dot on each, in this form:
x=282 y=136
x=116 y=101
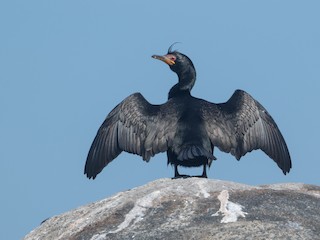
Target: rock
x=193 y=208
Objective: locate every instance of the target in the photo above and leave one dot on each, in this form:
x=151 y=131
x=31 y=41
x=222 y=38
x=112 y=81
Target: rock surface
x=193 y=208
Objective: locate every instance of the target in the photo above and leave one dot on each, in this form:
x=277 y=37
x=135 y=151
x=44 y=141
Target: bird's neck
x=187 y=78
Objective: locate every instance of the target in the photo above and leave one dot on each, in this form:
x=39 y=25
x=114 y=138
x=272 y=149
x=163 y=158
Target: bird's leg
x=204 y=173
x=176 y=173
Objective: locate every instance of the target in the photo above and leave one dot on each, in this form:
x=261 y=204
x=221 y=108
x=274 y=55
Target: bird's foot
x=200 y=176
x=181 y=176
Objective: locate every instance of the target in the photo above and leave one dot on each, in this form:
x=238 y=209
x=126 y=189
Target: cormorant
x=187 y=128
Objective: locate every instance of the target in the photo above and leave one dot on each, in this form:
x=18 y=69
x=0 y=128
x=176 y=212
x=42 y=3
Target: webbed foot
x=181 y=176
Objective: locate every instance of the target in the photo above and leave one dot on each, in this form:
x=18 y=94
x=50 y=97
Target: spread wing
x=241 y=125
x=134 y=126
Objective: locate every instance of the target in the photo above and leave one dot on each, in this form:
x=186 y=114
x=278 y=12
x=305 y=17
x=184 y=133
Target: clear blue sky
x=65 y=64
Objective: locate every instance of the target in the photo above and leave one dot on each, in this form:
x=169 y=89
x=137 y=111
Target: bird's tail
x=193 y=152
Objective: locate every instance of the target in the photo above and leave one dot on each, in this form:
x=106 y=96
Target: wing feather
x=134 y=126
x=241 y=125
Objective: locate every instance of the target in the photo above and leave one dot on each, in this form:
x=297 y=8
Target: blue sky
x=66 y=64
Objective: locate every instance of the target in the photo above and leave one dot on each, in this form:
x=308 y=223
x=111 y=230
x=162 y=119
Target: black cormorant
x=185 y=127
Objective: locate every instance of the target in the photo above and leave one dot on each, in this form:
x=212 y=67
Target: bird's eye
x=171 y=57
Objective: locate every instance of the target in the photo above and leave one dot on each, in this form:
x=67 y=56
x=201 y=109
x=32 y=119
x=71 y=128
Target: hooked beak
x=165 y=59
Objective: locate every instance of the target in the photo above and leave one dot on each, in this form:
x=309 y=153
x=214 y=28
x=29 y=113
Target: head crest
x=170 y=48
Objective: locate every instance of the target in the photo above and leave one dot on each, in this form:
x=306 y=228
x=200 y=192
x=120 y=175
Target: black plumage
x=187 y=128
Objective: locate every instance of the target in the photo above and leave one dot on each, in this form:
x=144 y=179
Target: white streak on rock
x=230 y=211
x=203 y=190
x=98 y=237
x=137 y=212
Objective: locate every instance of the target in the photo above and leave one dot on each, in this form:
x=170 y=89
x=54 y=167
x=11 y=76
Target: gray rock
x=193 y=208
